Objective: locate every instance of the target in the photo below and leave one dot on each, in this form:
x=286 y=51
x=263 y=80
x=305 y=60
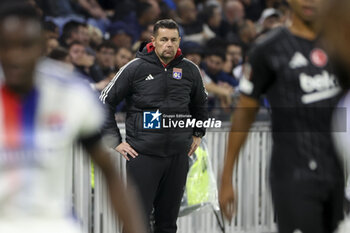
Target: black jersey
x=297 y=79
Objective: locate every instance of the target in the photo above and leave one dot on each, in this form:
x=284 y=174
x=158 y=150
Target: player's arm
x=258 y=77
x=123 y=200
x=119 y=87
x=243 y=117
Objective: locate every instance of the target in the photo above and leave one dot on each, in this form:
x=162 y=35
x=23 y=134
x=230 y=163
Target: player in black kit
x=290 y=67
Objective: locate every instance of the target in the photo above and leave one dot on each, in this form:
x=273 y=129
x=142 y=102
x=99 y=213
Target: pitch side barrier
x=254 y=212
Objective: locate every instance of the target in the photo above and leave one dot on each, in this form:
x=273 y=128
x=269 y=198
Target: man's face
x=152 y=14
x=105 y=57
x=216 y=18
x=122 y=57
x=306 y=10
x=195 y=58
x=122 y=40
x=77 y=53
x=21 y=45
x=190 y=13
x=166 y=43
x=234 y=53
x=83 y=34
x=214 y=64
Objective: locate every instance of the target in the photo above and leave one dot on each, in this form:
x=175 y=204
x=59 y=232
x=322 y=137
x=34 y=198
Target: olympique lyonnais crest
x=177 y=73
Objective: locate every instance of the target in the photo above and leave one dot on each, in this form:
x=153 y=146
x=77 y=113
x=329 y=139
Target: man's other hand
x=195 y=144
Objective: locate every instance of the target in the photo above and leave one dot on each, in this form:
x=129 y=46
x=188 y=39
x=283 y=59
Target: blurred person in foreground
x=159 y=86
x=306 y=177
x=41 y=117
x=336 y=30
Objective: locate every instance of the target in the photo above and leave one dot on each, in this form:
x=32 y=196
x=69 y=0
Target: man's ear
x=153 y=39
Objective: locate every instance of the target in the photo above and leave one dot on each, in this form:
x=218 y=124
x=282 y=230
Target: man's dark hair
x=50 y=26
x=75 y=43
x=69 y=28
x=120 y=48
x=233 y=41
x=165 y=23
x=19 y=9
x=207 y=13
x=216 y=52
x=107 y=44
x=59 y=54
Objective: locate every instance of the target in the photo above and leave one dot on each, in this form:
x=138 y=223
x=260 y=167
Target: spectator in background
x=247 y=34
x=233 y=18
x=193 y=29
x=61 y=54
x=80 y=59
x=92 y=8
x=96 y=36
x=146 y=13
x=120 y=34
x=234 y=53
x=146 y=36
x=66 y=8
x=211 y=16
x=233 y=56
x=86 y=67
x=83 y=62
x=51 y=43
x=253 y=8
x=166 y=10
x=269 y=19
x=122 y=57
x=194 y=53
x=71 y=32
x=213 y=66
x=50 y=30
x=84 y=36
x=122 y=8
x=285 y=11
x=105 y=58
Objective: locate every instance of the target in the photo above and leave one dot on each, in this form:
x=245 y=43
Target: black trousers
x=160 y=182
x=308 y=204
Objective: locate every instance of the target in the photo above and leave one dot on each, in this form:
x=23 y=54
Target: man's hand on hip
x=195 y=144
x=125 y=149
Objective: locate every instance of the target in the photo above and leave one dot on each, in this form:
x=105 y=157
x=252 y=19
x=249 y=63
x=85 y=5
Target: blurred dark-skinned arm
x=123 y=199
x=243 y=117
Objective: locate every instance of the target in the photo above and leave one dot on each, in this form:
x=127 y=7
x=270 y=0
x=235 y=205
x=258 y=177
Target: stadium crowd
x=98 y=37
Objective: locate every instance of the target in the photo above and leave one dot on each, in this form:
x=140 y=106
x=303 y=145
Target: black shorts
x=308 y=203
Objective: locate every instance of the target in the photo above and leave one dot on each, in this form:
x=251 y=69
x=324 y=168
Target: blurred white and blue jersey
x=36 y=138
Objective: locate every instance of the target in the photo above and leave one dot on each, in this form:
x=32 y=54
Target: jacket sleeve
x=199 y=100
x=111 y=96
